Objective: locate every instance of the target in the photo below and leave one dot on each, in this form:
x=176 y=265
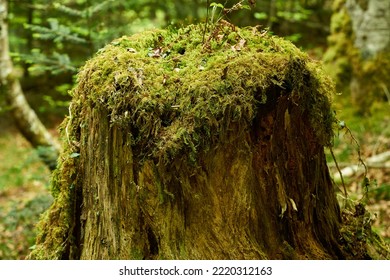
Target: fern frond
x=67 y=10
x=56 y=63
x=94 y=9
x=56 y=32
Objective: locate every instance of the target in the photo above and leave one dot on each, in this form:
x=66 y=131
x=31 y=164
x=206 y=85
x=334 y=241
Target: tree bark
x=358 y=55
x=25 y=117
x=218 y=157
x=371 y=26
x=251 y=198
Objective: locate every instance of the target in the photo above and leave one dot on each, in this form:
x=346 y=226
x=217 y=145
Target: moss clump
x=56 y=224
x=357 y=237
x=177 y=91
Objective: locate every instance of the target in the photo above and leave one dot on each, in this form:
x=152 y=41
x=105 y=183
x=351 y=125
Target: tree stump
x=195 y=144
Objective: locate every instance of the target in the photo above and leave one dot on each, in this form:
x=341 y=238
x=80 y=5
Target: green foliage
x=217 y=5
x=56 y=32
x=88 y=12
x=380 y=192
x=295 y=15
x=372 y=134
x=58 y=37
x=20 y=162
x=72 y=28
x=76 y=29
x=225 y=11
x=23 y=195
x=17 y=226
x=40 y=63
x=53 y=38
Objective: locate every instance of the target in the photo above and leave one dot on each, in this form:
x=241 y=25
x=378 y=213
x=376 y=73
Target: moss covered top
x=179 y=90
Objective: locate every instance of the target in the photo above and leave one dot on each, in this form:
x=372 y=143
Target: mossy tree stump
x=185 y=145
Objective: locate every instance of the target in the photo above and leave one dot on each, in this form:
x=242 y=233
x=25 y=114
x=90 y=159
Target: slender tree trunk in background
x=271 y=14
x=371 y=26
x=29 y=35
x=24 y=116
x=358 y=54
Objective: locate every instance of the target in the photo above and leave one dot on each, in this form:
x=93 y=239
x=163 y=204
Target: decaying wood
x=168 y=160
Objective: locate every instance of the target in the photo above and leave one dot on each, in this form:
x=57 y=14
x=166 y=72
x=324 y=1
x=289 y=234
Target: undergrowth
x=23 y=195
x=367 y=135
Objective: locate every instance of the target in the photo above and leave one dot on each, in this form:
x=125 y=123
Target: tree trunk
x=360 y=49
x=25 y=117
x=178 y=149
x=371 y=26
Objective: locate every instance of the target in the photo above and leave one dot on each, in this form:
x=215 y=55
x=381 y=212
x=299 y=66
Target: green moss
x=55 y=225
x=357 y=237
x=178 y=92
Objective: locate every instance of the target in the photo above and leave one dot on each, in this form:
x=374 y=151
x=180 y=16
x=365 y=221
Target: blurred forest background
x=50 y=40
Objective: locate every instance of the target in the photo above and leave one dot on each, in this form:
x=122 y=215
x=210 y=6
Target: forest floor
x=362 y=138
x=24 y=180
x=24 y=194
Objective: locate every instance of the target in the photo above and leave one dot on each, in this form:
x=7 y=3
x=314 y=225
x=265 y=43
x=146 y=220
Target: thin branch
x=340 y=173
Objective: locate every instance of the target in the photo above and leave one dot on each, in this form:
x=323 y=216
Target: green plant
x=17 y=226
